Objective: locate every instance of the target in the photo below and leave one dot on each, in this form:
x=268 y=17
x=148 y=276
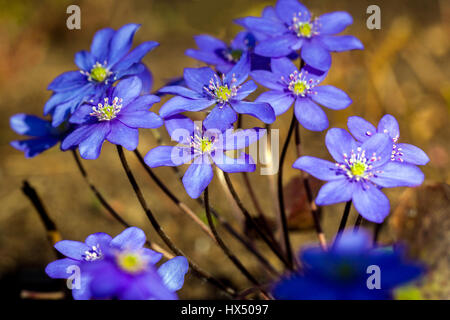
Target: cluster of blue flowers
x=109 y=98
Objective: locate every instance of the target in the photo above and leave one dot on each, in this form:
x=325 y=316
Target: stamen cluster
x=106 y=112
x=299 y=84
x=93 y=254
x=220 y=90
x=304 y=29
x=358 y=166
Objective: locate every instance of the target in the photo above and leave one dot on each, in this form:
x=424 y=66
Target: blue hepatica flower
x=109 y=60
x=402 y=152
x=226 y=92
x=42 y=134
x=359 y=171
x=217 y=53
x=203 y=146
x=342 y=272
x=291 y=27
x=288 y=85
x=115 y=118
x=118 y=268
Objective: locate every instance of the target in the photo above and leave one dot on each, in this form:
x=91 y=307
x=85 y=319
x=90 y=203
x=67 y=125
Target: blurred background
x=403 y=71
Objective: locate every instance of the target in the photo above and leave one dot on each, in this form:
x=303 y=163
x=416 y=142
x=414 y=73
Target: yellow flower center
x=131 y=262
x=206 y=145
x=358 y=169
x=305 y=29
x=222 y=93
x=300 y=87
x=99 y=73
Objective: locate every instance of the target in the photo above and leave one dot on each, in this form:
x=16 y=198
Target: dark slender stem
x=224 y=247
x=157 y=226
x=348 y=206
x=99 y=196
x=53 y=234
x=377 y=231
x=269 y=241
x=358 y=222
x=309 y=194
x=287 y=242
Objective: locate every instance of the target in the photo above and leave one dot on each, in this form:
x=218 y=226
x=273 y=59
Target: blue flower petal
x=128 y=90
x=262 y=25
x=67 y=81
x=91 y=146
x=131 y=238
x=370 y=202
x=146 y=78
x=198 y=78
x=121 y=43
x=172 y=272
x=29 y=125
x=239 y=71
x=76 y=136
x=310 y=115
x=283 y=67
x=277 y=47
x=167 y=156
x=121 y=134
x=180 y=91
x=316 y=55
x=267 y=79
x=197 y=178
x=208 y=43
x=180 y=128
x=389 y=125
x=287 y=8
x=141 y=103
x=261 y=110
x=140 y=119
x=321 y=169
x=335 y=191
x=84 y=292
x=235 y=140
x=331 y=97
x=207 y=57
x=99 y=239
x=100 y=44
x=244 y=163
x=341 y=43
x=152 y=256
x=360 y=128
x=35 y=146
x=84 y=60
x=397 y=174
x=246 y=89
x=412 y=154
x=72 y=249
x=220 y=118
x=58 y=269
x=381 y=145
x=179 y=104
x=278 y=100
x=135 y=55
x=334 y=22
x=338 y=142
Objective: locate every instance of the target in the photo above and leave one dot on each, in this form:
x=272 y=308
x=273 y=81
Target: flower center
x=219 y=90
x=131 y=262
x=93 y=254
x=298 y=84
x=106 y=111
x=304 y=29
x=357 y=166
x=99 y=73
x=202 y=144
x=232 y=55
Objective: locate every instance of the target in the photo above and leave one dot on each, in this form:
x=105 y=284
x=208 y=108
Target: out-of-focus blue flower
x=203 y=146
x=115 y=118
x=359 y=172
x=205 y=88
x=291 y=27
x=402 y=152
x=342 y=272
x=42 y=135
x=217 y=53
x=118 y=268
x=289 y=85
x=109 y=60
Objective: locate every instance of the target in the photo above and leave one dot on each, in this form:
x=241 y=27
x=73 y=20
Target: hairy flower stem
x=287 y=242
x=309 y=195
x=268 y=240
x=224 y=247
x=53 y=234
x=348 y=206
x=158 y=228
x=173 y=198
